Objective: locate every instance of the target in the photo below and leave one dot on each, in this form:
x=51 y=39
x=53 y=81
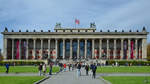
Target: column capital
x=129 y=38
x=136 y=38
x=27 y=38
x=56 y=38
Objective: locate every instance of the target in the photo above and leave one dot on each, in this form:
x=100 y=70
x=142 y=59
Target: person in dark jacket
x=94 y=67
x=78 y=69
x=7 y=68
x=51 y=67
x=40 y=69
x=87 y=69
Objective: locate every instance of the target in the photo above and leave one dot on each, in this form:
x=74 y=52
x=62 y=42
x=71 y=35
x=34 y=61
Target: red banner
x=132 y=49
x=17 y=54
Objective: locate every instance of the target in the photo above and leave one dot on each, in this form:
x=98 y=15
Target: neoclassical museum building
x=75 y=44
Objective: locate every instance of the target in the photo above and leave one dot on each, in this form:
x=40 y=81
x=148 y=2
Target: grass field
x=128 y=79
x=19 y=79
x=124 y=69
x=25 y=69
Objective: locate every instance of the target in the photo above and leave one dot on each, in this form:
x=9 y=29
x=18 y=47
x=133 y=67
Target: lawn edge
x=105 y=81
x=45 y=78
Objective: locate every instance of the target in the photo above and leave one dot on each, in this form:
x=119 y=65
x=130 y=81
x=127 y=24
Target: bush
x=22 y=62
x=126 y=62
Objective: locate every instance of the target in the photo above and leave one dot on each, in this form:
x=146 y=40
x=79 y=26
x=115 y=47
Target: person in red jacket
x=64 y=67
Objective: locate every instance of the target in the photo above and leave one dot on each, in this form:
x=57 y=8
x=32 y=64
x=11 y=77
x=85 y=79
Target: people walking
x=69 y=65
x=65 y=67
x=78 y=69
x=87 y=69
x=7 y=68
x=61 y=67
x=40 y=69
x=51 y=67
x=94 y=67
x=44 y=69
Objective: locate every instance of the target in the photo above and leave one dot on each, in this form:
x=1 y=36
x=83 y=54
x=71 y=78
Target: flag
x=132 y=49
x=77 y=21
x=17 y=54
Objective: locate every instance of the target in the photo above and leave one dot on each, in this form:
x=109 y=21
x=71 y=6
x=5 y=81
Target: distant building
x=75 y=44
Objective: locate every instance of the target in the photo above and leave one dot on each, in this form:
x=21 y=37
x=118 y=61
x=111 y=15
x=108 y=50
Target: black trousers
x=87 y=72
x=7 y=70
x=94 y=74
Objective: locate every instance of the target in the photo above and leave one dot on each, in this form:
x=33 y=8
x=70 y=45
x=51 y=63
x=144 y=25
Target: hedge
x=125 y=62
x=22 y=62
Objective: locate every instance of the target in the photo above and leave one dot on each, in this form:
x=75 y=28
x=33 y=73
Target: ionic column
x=136 y=49
x=12 y=49
x=34 y=45
x=115 y=49
x=129 y=48
x=5 y=48
x=70 y=48
x=27 y=47
x=107 y=48
x=85 y=47
x=20 y=49
x=100 y=48
x=122 y=49
x=41 y=47
x=93 y=44
x=64 y=49
x=56 y=47
x=78 y=49
x=49 y=42
x=144 y=49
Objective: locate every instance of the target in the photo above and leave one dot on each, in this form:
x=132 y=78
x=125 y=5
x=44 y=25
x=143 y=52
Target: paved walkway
x=71 y=78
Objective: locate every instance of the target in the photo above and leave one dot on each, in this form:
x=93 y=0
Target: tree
x=148 y=52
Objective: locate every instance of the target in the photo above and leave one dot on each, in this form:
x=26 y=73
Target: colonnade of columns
x=78 y=48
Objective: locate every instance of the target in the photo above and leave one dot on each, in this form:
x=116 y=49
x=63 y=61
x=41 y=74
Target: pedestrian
x=69 y=66
x=78 y=69
x=87 y=69
x=73 y=66
x=64 y=67
x=51 y=67
x=40 y=69
x=7 y=68
x=60 y=67
x=94 y=67
x=44 y=69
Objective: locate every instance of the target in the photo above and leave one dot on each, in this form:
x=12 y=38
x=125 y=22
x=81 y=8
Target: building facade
x=75 y=44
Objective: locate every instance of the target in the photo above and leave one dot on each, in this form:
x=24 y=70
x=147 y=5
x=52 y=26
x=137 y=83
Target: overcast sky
x=43 y=14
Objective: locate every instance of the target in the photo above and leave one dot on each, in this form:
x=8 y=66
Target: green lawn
x=25 y=69
x=124 y=69
x=128 y=79
x=19 y=79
